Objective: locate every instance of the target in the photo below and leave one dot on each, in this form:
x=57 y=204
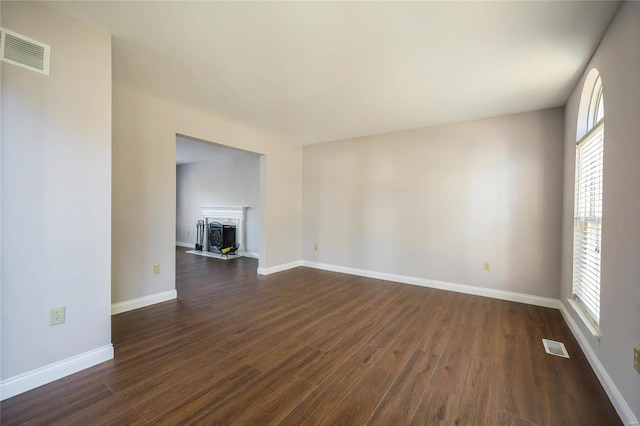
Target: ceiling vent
x=24 y=52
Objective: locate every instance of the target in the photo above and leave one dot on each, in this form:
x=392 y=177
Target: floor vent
x=24 y=52
x=555 y=348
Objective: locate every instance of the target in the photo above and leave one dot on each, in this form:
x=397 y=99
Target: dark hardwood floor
x=314 y=347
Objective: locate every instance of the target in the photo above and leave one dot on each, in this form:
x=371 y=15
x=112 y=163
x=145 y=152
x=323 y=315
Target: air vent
x=24 y=52
x=555 y=348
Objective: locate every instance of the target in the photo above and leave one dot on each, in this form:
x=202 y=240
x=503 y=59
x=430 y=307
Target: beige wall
x=437 y=202
x=618 y=61
x=56 y=193
x=144 y=188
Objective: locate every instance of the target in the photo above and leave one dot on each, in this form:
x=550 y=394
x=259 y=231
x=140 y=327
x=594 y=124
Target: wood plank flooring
x=313 y=347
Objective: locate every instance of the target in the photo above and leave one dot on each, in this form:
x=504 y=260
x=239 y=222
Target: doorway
x=209 y=177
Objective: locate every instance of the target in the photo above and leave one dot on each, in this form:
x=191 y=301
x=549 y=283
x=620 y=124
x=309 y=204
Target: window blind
x=588 y=222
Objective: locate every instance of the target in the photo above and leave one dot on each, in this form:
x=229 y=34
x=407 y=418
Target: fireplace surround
x=227 y=217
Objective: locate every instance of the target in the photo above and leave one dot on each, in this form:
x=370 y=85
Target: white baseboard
x=251 y=255
x=442 y=285
x=279 y=268
x=620 y=404
x=141 y=302
x=186 y=245
x=41 y=376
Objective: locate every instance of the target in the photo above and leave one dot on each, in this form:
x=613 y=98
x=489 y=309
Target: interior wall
x=56 y=193
x=233 y=179
x=437 y=202
x=144 y=188
x=618 y=61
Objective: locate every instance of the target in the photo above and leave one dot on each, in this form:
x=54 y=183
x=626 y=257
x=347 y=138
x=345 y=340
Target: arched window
x=587 y=232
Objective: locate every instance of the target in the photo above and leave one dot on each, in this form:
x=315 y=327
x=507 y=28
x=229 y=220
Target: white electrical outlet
x=156 y=269
x=57 y=315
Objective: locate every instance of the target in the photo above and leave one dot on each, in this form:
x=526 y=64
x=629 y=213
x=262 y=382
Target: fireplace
x=224 y=227
x=221 y=236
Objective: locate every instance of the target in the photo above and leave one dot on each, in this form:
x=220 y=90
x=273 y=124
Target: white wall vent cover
x=24 y=52
x=555 y=348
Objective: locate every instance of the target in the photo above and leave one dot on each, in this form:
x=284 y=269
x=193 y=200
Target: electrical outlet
x=188 y=232
x=156 y=269
x=57 y=315
x=487 y=266
x=636 y=358
x=315 y=246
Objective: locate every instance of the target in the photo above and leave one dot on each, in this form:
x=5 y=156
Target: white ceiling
x=321 y=71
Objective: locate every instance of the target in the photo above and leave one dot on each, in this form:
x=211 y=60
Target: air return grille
x=24 y=52
x=555 y=348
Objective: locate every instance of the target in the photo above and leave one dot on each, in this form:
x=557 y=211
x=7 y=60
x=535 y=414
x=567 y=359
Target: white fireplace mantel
x=232 y=212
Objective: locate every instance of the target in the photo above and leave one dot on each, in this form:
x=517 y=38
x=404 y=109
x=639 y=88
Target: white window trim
x=577 y=305
x=593 y=328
